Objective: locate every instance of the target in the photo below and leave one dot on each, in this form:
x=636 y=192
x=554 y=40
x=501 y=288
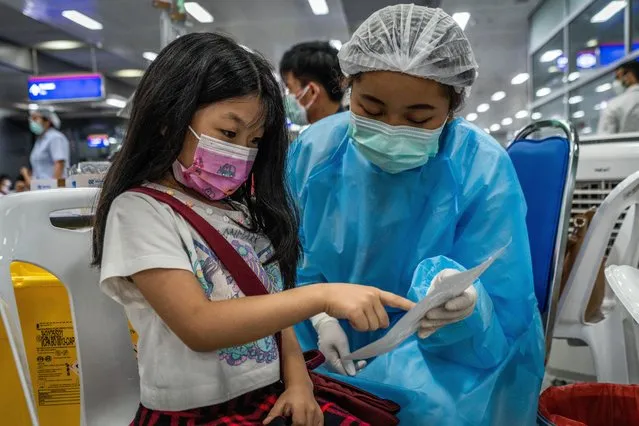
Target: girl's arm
x=206 y=326
x=295 y=372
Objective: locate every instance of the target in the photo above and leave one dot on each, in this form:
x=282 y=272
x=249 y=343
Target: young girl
x=207 y=120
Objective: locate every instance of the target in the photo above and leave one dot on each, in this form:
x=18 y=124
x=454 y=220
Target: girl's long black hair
x=194 y=71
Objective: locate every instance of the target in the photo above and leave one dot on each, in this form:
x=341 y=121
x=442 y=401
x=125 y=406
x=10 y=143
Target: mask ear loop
x=304 y=92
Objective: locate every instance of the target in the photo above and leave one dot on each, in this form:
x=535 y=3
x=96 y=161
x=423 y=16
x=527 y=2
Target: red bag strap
x=244 y=276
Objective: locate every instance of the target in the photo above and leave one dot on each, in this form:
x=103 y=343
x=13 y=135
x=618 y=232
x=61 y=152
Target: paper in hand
x=442 y=291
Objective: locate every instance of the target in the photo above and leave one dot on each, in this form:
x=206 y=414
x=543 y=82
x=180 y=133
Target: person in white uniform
x=622 y=113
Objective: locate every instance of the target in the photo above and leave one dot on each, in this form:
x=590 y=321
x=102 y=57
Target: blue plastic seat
x=546 y=170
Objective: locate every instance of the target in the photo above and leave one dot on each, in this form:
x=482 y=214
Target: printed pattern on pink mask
x=219 y=168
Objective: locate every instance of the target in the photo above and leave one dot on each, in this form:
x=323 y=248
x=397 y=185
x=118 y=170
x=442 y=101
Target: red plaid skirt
x=247 y=410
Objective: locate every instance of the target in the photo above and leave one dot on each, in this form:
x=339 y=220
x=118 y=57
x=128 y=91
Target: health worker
x=398 y=194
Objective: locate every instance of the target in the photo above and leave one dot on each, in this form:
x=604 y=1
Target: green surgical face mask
x=394 y=149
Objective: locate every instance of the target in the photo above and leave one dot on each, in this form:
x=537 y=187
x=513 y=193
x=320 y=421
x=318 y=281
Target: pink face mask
x=219 y=168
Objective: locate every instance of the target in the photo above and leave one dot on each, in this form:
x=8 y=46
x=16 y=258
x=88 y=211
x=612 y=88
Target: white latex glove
x=455 y=310
x=333 y=344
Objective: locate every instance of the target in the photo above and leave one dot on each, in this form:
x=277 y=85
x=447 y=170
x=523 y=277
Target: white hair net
x=51 y=116
x=415 y=40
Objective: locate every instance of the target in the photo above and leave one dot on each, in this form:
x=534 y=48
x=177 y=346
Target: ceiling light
x=82 y=19
x=33 y=107
x=520 y=78
x=521 y=114
x=575 y=100
x=462 y=19
x=610 y=10
x=495 y=127
x=319 y=7
x=59 y=45
x=600 y=106
x=551 y=55
x=498 y=96
x=472 y=116
x=150 y=56
x=536 y=115
x=579 y=114
x=603 y=88
x=587 y=130
x=487 y=131
x=574 y=76
x=337 y=44
x=507 y=121
x=592 y=43
x=483 y=108
x=544 y=91
x=114 y=102
x=129 y=73
x=198 y=12
x=553 y=69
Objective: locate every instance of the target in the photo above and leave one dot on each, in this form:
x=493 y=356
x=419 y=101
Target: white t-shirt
x=143 y=234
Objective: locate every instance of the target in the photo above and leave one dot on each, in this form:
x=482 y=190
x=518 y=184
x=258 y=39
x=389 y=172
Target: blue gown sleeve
x=505 y=307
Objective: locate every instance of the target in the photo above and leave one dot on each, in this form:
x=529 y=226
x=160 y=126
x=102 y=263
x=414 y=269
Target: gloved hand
x=455 y=310
x=333 y=344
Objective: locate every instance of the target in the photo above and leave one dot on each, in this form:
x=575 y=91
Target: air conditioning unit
x=603 y=163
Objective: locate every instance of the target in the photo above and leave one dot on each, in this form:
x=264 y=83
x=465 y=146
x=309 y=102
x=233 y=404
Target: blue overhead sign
x=64 y=88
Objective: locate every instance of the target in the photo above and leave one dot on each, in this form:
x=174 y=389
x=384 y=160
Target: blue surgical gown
x=396 y=232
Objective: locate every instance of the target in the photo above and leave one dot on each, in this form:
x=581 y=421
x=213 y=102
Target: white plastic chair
x=624 y=282
x=606 y=338
x=109 y=379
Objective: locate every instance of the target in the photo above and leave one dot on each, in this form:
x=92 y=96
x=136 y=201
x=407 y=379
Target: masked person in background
x=622 y=113
x=400 y=193
x=50 y=155
x=5 y=185
x=313 y=78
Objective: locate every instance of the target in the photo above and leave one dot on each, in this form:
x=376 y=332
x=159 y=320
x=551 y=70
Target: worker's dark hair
x=193 y=72
x=631 y=67
x=315 y=61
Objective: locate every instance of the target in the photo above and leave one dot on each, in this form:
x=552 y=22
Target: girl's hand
x=362 y=306
x=297 y=402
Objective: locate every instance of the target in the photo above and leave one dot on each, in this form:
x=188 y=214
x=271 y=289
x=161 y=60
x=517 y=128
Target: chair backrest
x=573 y=303
x=109 y=378
x=546 y=170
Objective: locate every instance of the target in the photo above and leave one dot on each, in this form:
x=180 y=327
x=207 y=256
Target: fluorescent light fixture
x=150 y=56
x=575 y=100
x=462 y=19
x=573 y=76
x=536 y=115
x=483 y=108
x=82 y=19
x=507 y=121
x=551 y=55
x=544 y=91
x=553 y=69
x=319 y=7
x=198 y=12
x=337 y=44
x=592 y=43
x=129 y=73
x=59 y=45
x=579 y=114
x=521 y=114
x=601 y=105
x=472 y=116
x=520 y=78
x=610 y=10
x=115 y=102
x=33 y=107
x=487 y=131
x=603 y=88
x=587 y=130
x=498 y=96
x=495 y=127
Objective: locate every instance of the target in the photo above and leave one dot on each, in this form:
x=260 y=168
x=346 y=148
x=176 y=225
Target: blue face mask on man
x=394 y=149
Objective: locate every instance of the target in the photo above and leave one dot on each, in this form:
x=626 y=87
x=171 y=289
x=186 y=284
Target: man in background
x=314 y=81
x=622 y=113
